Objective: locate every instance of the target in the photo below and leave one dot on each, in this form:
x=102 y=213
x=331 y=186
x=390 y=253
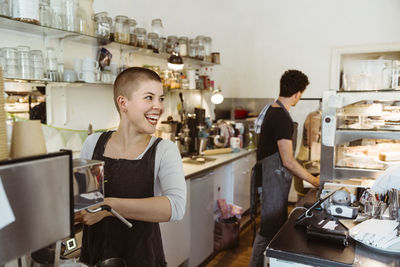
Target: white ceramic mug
x=69 y=76
x=89 y=64
x=89 y=76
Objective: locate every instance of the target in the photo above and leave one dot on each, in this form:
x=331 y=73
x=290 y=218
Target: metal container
x=88 y=183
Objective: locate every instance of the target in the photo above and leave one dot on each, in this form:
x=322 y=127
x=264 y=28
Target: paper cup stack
x=3 y=132
x=27 y=139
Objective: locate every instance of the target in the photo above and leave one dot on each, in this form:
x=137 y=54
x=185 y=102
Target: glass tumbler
x=71 y=15
x=121 y=29
x=24 y=64
x=45 y=13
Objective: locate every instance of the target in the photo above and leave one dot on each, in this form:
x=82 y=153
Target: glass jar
x=183 y=46
x=200 y=53
x=26 y=10
x=141 y=40
x=207 y=48
x=162 y=45
x=193 y=44
x=5 y=8
x=58 y=18
x=45 y=13
x=132 y=26
x=71 y=15
x=152 y=41
x=200 y=38
x=157 y=27
x=103 y=25
x=121 y=29
x=171 y=41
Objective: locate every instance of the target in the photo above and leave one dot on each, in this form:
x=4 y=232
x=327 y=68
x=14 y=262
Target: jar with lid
x=141 y=40
x=183 y=46
x=45 y=13
x=200 y=38
x=152 y=41
x=193 y=44
x=103 y=25
x=5 y=8
x=121 y=29
x=157 y=27
x=171 y=42
x=207 y=48
x=26 y=10
x=132 y=26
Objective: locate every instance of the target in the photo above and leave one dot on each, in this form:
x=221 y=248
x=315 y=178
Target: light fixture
x=175 y=61
x=217 y=97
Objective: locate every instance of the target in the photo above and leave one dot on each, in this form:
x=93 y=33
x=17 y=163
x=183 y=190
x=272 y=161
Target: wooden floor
x=239 y=256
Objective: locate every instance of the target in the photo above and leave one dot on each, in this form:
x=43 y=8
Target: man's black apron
x=140 y=245
x=276 y=181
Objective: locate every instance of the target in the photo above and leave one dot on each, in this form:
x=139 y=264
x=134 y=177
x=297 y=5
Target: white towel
x=260 y=119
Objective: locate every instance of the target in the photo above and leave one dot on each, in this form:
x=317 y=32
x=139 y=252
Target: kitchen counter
x=291 y=244
x=192 y=170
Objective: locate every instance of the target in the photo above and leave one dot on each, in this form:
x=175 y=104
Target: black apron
x=276 y=181
x=140 y=245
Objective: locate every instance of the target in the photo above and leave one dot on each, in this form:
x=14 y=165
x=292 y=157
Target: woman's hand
x=90 y=218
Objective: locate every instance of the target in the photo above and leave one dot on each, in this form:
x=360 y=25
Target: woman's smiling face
x=146 y=106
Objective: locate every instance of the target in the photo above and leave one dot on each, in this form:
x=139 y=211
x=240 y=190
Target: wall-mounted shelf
x=29 y=28
x=44 y=82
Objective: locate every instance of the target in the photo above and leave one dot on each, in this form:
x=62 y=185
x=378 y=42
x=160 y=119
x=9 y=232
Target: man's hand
x=316 y=181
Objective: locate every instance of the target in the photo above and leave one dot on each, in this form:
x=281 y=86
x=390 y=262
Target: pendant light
x=175 y=61
x=217 y=97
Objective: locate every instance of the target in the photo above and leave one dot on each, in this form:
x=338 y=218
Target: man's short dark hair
x=129 y=81
x=293 y=81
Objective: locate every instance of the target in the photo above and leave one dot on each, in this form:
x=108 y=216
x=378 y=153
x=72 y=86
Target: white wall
x=260 y=39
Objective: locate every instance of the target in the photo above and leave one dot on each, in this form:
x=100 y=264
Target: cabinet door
x=176 y=236
x=241 y=180
x=202 y=219
x=223 y=184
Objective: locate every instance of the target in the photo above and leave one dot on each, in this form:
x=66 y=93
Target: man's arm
x=286 y=153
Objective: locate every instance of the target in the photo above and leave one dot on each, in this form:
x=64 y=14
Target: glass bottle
x=141 y=40
x=193 y=44
x=171 y=41
x=103 y=25
x=121 y=29
x=157 y=27
x=183 y=46
x=132 y=26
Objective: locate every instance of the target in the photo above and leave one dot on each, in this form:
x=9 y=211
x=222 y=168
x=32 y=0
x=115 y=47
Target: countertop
x=291 y=244
x=192 y=170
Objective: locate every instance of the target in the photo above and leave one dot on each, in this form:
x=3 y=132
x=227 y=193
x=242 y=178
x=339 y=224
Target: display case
x=360 y=133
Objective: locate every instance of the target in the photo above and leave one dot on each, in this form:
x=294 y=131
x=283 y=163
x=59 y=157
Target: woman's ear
x=121 y=102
